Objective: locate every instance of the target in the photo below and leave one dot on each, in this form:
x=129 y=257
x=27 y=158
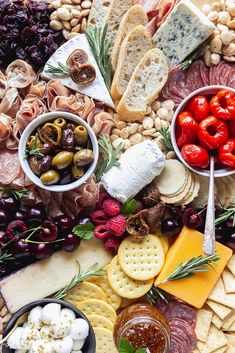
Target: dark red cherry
x=10 y=204
x=48 y=232
x=71 y=242
x=221 y=233
x=20 y=214
x=83 y=220
x=230 y=225
x=20 y=248
x=41 y=251
x=3 y=238
x=170 y=227
x=16 y=229
x=4 y=218
x=36 y=214
x=191 y=218
x=65 y=223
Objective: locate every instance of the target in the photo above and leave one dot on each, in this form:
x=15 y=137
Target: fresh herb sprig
x=166 y=138
x=225 y=215
x=126 y=346
x=78 y=278
x=184 y=270
x=5 y=256
x=60 y=69
x=84 y=231
x=35 y=151
x=108 y=156
x=18 y=194
x=100 y=44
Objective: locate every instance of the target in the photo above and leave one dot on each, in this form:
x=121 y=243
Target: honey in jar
x=144 y=327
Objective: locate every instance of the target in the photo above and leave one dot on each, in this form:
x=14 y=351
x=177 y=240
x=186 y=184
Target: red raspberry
x=99 y=217
x=103 y=195
x=101 y=232
x=111 y=207
x=112 y=244
x=117 y=225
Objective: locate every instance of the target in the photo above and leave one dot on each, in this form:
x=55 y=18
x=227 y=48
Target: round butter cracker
x=125 y=286
x=98 y=307
x=177 y=198
x=104 y=341
x=83 y=291
x=100 y=321
x=194 y=192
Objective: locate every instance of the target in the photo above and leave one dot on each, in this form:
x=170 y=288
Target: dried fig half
x=78 y=57
x=137 y=227
x=83 y=74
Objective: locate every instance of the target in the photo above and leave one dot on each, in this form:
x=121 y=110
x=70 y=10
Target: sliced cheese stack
x=176 y=184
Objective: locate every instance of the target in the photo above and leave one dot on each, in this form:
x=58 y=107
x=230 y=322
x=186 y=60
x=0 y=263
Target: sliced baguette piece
x=135 y=16
x=134 y=47
x=117 y=10
x=99 y=13
x=145 y=84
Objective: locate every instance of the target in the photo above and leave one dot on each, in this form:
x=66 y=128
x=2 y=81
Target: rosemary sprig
x=5 y=256
x=92 y=271
x=166 y=138
x=108 y=155
x=226 y=214
x=194 y=55
x=100 y=44
x=60 y=69
x=154 y=293
x=35 y=151
x=18 y=194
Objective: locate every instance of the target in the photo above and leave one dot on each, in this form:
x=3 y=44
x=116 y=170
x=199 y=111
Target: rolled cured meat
x=20 y=74
x=3 y=84
x=11 y=102
x=55 y=88
x=6 y=125
x=38 y=88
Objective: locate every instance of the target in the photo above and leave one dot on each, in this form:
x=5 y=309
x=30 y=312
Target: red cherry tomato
x=195 y=155
x=212 y=133
x=222 y=105
x=199 y=107
x=227 y=153
x=231 y=128
x=186 y=129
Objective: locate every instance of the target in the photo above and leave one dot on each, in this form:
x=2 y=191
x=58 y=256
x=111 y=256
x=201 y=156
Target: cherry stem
x=44 y=242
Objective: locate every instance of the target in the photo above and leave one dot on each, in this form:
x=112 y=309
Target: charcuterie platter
x=116 y=119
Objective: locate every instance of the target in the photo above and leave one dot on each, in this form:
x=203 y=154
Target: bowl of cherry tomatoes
x=204 y=125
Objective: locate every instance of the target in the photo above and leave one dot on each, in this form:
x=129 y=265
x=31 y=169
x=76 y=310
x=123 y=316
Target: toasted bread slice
x=145 y=84
x=99 y=12
x=135 y=16
x=134 y=47
x=117 y=10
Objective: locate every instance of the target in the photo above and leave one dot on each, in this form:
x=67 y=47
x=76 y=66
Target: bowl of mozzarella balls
x=50 y=326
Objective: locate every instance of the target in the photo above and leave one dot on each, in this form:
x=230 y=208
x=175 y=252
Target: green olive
x=77 y=172
x=50 y=177
x=62 y=159
x=33 y=143
x=80 y=135
x=61 y=122
x=83 y=157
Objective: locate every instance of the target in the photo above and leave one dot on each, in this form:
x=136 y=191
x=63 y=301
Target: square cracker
x=231 y=264
x=231 y=343
x=203 y=323
x=217 y=321
x=215 y=340
x=229 y=281
x=232 y=327
x=218 y=295
x=219 y=309
x=228 y=322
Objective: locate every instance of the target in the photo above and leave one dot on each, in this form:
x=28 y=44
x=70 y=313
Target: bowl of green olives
x=58 y=151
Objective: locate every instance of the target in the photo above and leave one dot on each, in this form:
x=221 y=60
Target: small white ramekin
x=207 y=91
x=44 y=118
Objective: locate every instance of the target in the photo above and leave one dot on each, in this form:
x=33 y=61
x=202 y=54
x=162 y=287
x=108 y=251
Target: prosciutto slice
x=20 y=74
x=11 y=102
x=3 y=84
x=6 y=125
x=31 y=107
x=9 y=166
x=55 y=88
x=76 y=104
x=13 y=141
x=38 y=88
x=101 y=122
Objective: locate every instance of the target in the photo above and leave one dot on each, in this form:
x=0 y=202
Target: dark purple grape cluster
x=25 y=32
x=29 y=235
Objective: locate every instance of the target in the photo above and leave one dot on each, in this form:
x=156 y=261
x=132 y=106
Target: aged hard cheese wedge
x=97 y=89
x=196 y=289
x=183 y=31
x=44 y=278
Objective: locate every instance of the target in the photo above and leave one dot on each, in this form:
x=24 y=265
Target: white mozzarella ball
x=78 y=344
x=35 y=317
x=37 y=346
x=79 y=329
x=51 y=312
x=14 y=339
x=60 y=327
x=63 y=345
x=20 y=350
x=45 y=333
x=49 y=347
x=73 y=351
x=28 y=336
x=68 y=314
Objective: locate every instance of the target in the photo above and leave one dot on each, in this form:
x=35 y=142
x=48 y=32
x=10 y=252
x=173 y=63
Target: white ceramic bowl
x=207 y=90
x=44 y=118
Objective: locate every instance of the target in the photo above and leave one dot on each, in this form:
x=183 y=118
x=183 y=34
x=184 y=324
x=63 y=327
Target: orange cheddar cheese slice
x=196 y=289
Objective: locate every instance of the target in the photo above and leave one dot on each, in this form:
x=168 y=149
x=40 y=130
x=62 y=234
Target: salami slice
x=9 y=166
x=204 y=73
x=193 y=78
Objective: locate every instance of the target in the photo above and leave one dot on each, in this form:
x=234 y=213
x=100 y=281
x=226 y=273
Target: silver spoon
x=209 y=233
x=20 y=321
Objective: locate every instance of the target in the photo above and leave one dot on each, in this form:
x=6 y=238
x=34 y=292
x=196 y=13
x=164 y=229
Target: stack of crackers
x=215 y=327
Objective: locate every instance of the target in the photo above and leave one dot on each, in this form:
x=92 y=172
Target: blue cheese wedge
x=183 y=31
x=96 y=89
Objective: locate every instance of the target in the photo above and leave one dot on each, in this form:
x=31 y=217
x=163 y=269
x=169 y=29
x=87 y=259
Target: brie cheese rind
x=46 y=277
x=139 y=165
x=185 y=29
x=96 y=89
